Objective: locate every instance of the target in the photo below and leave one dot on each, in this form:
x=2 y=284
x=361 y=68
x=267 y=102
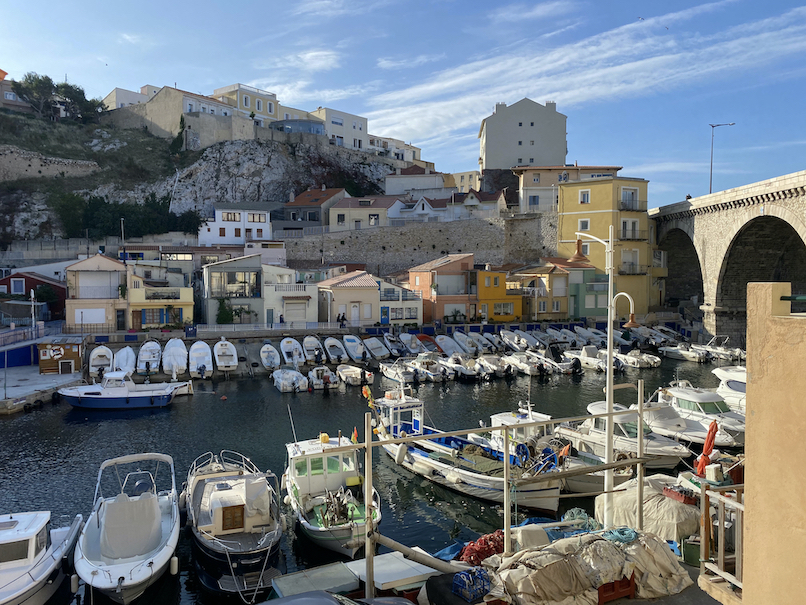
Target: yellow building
x=152 y=304
x=496 y=301
x=249 y=100
x=592 y=206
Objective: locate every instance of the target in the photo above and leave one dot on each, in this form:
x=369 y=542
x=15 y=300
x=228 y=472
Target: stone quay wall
x=16 y=163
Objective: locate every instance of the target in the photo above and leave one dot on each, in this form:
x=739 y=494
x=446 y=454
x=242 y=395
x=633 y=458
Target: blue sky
x=639 y=81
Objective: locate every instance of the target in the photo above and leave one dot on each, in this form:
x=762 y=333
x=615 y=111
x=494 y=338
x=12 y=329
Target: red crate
x=672 y=493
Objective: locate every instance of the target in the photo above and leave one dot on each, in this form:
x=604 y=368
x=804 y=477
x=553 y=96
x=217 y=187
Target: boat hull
x=214 y=568
x=120 y=403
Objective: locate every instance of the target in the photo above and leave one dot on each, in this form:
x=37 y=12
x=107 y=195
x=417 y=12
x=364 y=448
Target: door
x=66 y=367
x=358 y=225
x=136 y=320
x=384 y=316
x=295 y=312
x=120 y=319
x=355 y=313
x=270 y=316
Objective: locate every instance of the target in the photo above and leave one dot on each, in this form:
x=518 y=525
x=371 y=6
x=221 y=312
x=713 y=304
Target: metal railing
x=390 y=296
x=632 y=205
x=632 y=269
x=719 y=563
x=411 y=295
x=91 y=329
x=633 y=234
x=536 y=292
x=595 y=287
x=237 y=292
x=162 y=293
x=96 y=292
x=301 y=288
x=8 y=337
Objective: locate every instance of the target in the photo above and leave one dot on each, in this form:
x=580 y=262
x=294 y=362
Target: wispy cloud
x=309 y=61
x=335 y=8
x=124 y=38
x=771 y=147
x=385 y=63
x=301 y=91
x=517 y=13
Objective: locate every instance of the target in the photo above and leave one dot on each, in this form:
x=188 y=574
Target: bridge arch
x=684 y=281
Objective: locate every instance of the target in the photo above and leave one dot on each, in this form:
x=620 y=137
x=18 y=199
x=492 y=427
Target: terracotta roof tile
x=314 y=197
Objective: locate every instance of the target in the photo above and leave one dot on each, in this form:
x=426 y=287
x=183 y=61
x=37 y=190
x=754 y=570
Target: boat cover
x=130 y=527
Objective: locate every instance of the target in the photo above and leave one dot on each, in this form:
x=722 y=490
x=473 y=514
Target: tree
x=44 y=293
x=78 y=106
x=37 y=91
x=225 y=314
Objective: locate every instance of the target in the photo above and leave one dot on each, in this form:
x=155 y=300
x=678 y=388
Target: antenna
x=291 y=418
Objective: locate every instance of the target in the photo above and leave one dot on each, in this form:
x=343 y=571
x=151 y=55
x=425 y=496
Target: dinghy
x=269 y=357
x=125 y=360
x=200 y=360
x=100 y=361
x=314 y=352
x=148 y=358
x=292 y=351
x=355 y=347
x=175 y=358
x=289 y=380
x=226 y=357
x=336 y=352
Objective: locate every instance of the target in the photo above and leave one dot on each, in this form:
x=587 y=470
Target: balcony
x=632 y=205
x=515 y=291
x=535 y=292
x=390 y=295
x=633 y=235
x=596 y=287
x=632 y=269
x=162 y=293
x=175 y=295
x=411 y=295
x=97 y=292
x=235 y=291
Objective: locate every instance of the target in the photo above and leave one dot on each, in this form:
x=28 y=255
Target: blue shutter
x=162 y=316
x=142 y=317
x=180 y=314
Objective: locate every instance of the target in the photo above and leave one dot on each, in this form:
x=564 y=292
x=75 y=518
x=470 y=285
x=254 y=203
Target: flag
x=355 y=435
x=368 y=394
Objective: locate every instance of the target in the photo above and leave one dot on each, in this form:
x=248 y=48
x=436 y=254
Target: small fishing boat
x=560 y=365
x=732 y=386
x=513 y=341
x=561 y=340
x=322 y=377
x=101 y=359
x=117 y=392
x=292 y=351
x=314 y=351
x=326 y=493
x=498 y=345
x=448 y=345
x=685 y=352
x=532 y=343
x=466 y=342
x=148 y=358
x=718 y=348
x=394 y=344
x=492 y=363
x=352 y=375
x=226 y=357
x=336 y=353
x=175 y=358
x=33 y=556
x=462 y=365
x=428 y=367
x=523 y=363
x=200 y=360
x=130 y=537
x=375 y=346
x=355 y=348
x=636 y=359
x=269 y=356
x=482 y=344
x=397 y=371
x=456 y=462
x=429 y=343
x=125 y=360
x=289 y=380
x=588 y=358
x=234 y=515
x=412 y=343
x=590 y=337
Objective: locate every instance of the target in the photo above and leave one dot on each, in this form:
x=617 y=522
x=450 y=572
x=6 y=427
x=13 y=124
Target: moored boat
x=732 y=386
x=117 y=392
x=397 y=371
x=101 y=360
x=125 y=360
x=376 y=347
x=322 y=377
x=355 y=348
x=353 y=375
x=175 y=358
x=335 y=350
x=314 y=351
x=269 y=357
x=394 y=344
x=292 y=351
x=226 y=357
x=288 y=379
x=448 y=345
x=200 y=360
x=148 y=358
x=412 y=343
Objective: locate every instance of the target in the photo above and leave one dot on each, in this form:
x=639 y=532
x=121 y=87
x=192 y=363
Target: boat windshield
x=738 y=386
x=714 y=407
x=630 y=429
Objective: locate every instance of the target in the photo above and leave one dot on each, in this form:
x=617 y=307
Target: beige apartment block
x=465 y=181
x=344 y=129
x=522 y=133
x=538 y=186
x=248 y=101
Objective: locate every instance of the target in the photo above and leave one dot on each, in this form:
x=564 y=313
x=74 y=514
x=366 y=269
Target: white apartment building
x=120 y=97
x=394 y=148
x=344 y=129
x=236 y=224
x=525 y=133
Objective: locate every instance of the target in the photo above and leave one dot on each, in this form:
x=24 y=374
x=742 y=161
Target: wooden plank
x=723 y=574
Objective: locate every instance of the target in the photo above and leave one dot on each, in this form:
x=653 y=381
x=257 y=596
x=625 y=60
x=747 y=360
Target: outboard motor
x=100 y=373
x=555 y=353
x=577 y=365
x=202 y=370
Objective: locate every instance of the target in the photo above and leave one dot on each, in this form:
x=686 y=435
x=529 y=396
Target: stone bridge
x=717 y=243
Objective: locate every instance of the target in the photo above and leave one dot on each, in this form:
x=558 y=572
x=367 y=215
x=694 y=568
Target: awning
x=296 y=298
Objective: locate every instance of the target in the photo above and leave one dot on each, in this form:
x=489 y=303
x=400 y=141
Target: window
x=14 y=551
x=364 y=202
x=531 y=160
x=541 y=306
x=317 y=466
x=146 y=274
x=259 y=105
x=248 y=233
x=190 y=107
x=18 y=286
x=206 y=260
x=231 y=217
x=520 y=123
x=224 y=112
x=536 y=178
x=532 y=124
x=203 y=109
x=503 y=308
x=10 y=96
x=152 y=316
x=487 y=282
x=534 y=200
x=312 y=215
x=286 y=116
x=586 y=249
x=374 y=219
x=176 y=256
x=222 y=232
x=354 y=124
x=584 y=224
x=585 y=196
x=555 y=306
x=339 y=141
x=293 y=216
x=4 y=289
x=237 y=232
x=260 y=232
x=411 y=312
x=367 y=311
x=520 y=143
x=212 y=111
x=416 y=280
x=520 y=160
x=495 y=282
x=256 y=217
x=337 y=121
x=270 y=107
x=340 y=219
x=601 y=301
x=396 y=313
x=246 y=100
x=531 y=143
x=590 y=301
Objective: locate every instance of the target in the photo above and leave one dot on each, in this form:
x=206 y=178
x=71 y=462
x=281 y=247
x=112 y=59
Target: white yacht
x=732 y=386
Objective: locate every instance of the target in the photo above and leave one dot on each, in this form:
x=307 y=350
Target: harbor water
x=52 y=455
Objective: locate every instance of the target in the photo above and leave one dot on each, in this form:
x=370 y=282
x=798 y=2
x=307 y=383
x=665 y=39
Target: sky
x=639 y=81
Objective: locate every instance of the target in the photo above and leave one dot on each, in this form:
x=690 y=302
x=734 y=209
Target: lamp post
x=33 y=319
x=611 y=306
x=711 y=178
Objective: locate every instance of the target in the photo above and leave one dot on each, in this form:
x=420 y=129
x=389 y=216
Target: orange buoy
x=223 y=398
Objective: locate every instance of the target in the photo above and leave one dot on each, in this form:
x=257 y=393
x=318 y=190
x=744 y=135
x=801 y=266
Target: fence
x=15 y=335
x=723 y=562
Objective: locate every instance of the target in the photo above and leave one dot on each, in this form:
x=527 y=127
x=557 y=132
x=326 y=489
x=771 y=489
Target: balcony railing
x=410 y=295
x=301 y=288
x=235 y=292
x=631 y=269
x=632 y=205
x=596 y=287
x=515 y=291
x=659 y=259
x=633 y=234
x=162 y=294
x=536 y=292
x=390 y=296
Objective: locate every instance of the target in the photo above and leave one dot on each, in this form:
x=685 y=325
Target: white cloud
x=130 y=39
x=300 y=91
x=385 y=63
x=516 y=13
x=309 y=61
x=335 y=8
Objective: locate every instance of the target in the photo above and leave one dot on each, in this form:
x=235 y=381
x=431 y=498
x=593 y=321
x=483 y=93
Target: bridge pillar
x=724 y=321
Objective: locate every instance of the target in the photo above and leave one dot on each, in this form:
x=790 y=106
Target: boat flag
x=368 y=394
x=355 y=435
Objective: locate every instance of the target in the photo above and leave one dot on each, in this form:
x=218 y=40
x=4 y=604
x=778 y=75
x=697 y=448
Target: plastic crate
x=471 y=584
x=681 y=494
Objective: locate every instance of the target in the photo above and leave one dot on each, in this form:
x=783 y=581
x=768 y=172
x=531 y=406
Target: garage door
x=90 y=316
x=294 y=311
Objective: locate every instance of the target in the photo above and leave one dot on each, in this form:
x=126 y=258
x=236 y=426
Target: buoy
x=74 y=583
x=287 y=500
x=174 y=565
x=401 y=453
x=182 y=500
x=223 y=398
x=283 y=523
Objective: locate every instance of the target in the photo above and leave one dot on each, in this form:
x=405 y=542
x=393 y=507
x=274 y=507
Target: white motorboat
x=352 y=375
x=588 y=357
x=512 y=341
x=563 y=366
x=523 y=363
x=448 y=345
x=269 y=357
x=669 y=333
x=499 y=346
x=325 y=491
x=117 y=392
x=395 y=345
x=648 y=336
x=226 y=357
x=314 y=351
x=429 y=343
x=234 y=516
x=575 y=339
x=532 y=343
x=541 y=337
x=718 y=348
x=200 y=360
x=101 y=360
x=492 y=364
x=664 y=420
x=130 y=537
x=560 y=339
x=482 y=344
x=703 y=406
x=456 y=462
x=636 y=359
x=732 y=386
x=469 y=344
x=428 y=367
x=288 y=379
x=148 y=358
x=33 y=556
x=412 y=343
x=397 y=371
x=322 y=377
x=590 y=337
x=462 y=365
x=336 y=352
x=175 y=358
x=292 y=351
x=590 y=435
x=125 y=360
x=376 y=347
x=685 y=352
x=355 y=348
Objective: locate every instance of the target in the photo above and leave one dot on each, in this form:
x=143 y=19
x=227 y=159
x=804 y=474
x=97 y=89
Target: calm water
x=51 y=456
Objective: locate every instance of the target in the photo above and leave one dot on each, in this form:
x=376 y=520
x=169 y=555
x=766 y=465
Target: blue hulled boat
x=118 y=392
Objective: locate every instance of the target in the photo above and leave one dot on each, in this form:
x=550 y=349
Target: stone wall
x=16 y=163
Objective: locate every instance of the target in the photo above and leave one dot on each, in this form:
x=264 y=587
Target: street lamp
x=711 y=179
x=611 y=306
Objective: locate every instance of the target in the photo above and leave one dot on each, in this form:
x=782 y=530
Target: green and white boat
x=325 y=489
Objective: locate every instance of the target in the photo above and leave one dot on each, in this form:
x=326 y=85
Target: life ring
x=57 y=352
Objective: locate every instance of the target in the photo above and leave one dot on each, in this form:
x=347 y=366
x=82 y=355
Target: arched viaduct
x=718 y=243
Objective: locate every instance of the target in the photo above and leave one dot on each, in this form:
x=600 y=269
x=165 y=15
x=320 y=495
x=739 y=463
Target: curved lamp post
x=711 y=177
x=611 y=307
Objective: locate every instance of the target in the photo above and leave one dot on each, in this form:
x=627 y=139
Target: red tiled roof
x=314 y=197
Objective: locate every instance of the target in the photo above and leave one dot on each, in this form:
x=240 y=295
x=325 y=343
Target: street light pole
x=711 y=178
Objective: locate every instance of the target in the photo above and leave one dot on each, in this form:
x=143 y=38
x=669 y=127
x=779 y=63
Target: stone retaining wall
x=16 y=163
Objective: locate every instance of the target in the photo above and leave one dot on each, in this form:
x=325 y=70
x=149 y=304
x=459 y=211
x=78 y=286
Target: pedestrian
x=282 y=319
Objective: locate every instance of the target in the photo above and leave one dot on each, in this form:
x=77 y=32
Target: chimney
x=291 y=196
x=551 y=105
x=323 y=186
x=499 y=106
